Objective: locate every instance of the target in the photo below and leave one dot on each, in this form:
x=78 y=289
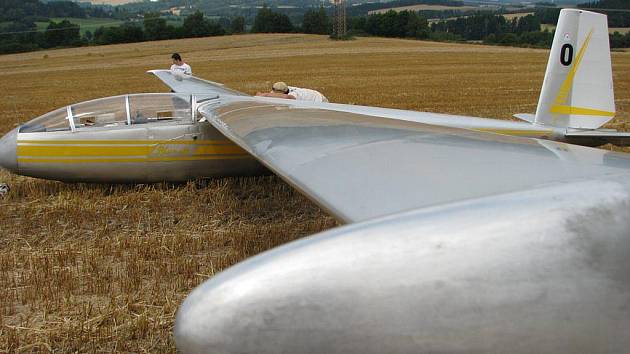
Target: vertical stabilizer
x=578 y=87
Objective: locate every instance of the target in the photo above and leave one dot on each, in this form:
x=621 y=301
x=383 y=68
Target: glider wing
x=360 y=167
x=192 y=84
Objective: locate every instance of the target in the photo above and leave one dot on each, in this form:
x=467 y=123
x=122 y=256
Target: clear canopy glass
x=115 y=111
x=159 y=107
x=50 y=122
x=104 y=112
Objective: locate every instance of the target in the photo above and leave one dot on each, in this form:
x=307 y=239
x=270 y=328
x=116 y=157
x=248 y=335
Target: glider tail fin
x=578 y=89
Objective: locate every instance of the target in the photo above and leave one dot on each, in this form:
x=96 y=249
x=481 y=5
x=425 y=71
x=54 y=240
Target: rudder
x=578 y=89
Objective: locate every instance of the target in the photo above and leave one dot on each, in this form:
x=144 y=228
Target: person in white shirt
x=281 y=90
x=180 y=68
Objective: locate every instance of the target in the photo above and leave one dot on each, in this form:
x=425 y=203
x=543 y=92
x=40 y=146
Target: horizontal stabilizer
x=529 y=118
x=192 y=84
x=598 y=137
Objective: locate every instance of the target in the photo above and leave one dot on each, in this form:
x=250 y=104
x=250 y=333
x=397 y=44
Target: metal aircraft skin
x=156 y=137
x=458 y=239
x=123 y=139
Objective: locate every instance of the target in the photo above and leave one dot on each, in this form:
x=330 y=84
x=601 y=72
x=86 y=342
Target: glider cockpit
x=117 y=111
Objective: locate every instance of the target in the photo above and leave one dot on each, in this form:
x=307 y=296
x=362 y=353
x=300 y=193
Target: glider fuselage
x=160 y=144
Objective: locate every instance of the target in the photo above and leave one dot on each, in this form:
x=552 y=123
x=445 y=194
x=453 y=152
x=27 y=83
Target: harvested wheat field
x=101 y=268
x=426 y=7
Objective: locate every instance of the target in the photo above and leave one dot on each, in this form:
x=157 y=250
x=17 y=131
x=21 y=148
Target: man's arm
x=275 y=94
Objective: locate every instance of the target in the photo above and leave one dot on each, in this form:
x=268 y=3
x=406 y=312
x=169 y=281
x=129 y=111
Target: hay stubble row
x=103 y=268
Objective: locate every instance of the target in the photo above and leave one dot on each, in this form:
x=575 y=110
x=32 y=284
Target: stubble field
x=101 y=268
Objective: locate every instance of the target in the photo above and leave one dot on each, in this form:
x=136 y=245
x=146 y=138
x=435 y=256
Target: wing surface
x=192 y=84
x=360 y=167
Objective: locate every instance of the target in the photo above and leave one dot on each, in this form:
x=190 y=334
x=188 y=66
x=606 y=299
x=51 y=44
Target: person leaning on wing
x=281 y=90
x=179 y=68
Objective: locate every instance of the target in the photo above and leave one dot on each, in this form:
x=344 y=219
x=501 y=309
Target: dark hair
x=285 y=92
x=176 y=56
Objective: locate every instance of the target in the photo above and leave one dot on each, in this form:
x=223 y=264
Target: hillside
x=608 y=4
x=111 y=2
x=100 y=268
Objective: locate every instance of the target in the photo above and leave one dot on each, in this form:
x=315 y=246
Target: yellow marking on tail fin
x=580 y=111
x=563 y=93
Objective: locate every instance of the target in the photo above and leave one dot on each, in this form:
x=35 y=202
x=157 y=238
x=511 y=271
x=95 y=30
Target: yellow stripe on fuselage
x=108 y=151
x=126 y=142
x=59 y=151
x=129 y=159
x=85 y=151
x=230 y=149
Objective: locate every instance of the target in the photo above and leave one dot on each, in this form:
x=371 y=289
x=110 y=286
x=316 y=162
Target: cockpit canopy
x=117 y=111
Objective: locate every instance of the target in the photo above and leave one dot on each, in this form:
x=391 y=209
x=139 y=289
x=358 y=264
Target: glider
x=161 y=137
x=462 y=234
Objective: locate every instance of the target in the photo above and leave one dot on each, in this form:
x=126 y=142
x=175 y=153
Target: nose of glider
x=8 y=146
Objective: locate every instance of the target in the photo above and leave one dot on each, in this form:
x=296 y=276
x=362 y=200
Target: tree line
x=29 y=11
x=496 y=29
x=615 y=18
x=364 y=9
x=481 y=27
x=14 y=39
x=153 y=27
